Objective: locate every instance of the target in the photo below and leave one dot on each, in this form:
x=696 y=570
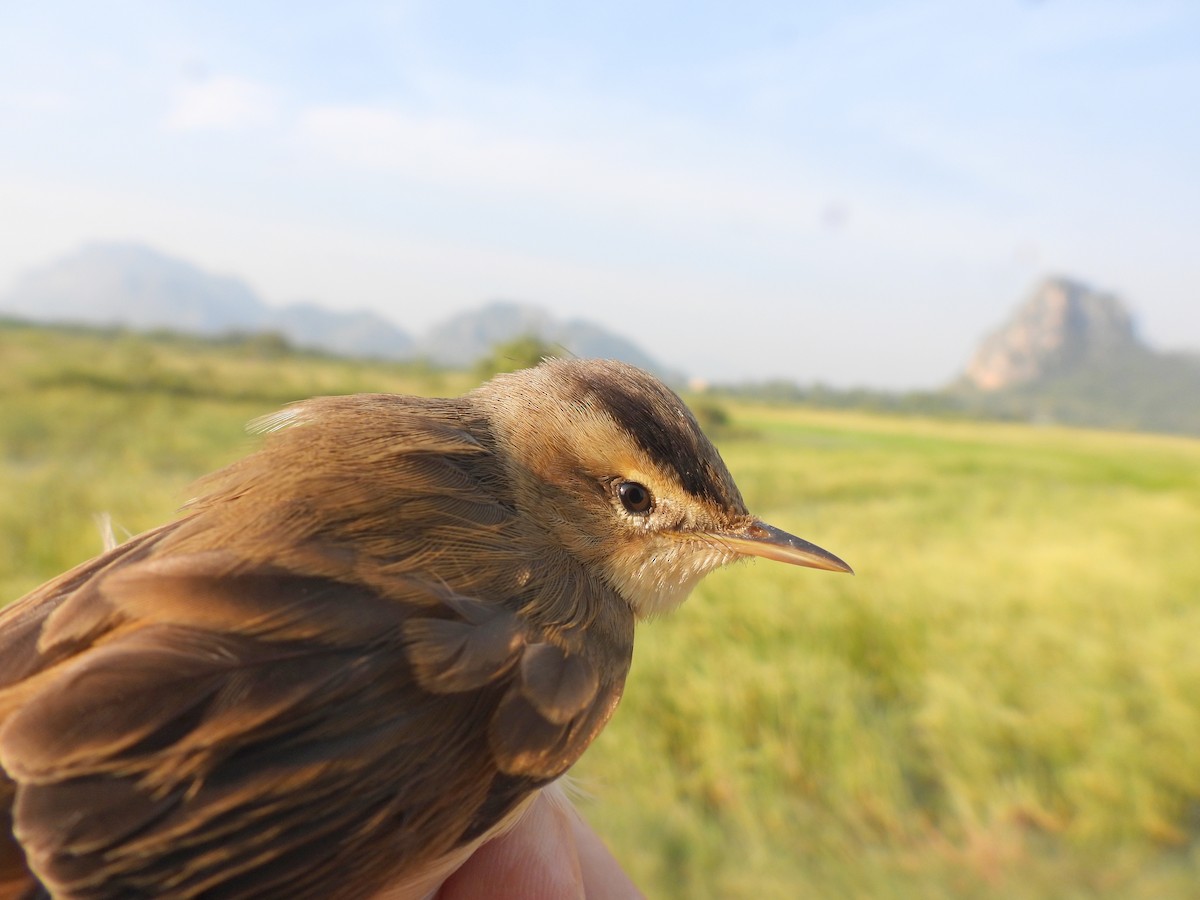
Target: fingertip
x=536 y=860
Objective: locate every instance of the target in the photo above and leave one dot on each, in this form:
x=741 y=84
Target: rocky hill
x=134 y=286
x=1072 y=354
x=1063 y=325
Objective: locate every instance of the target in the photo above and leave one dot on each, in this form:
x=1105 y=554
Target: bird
x=363 y=649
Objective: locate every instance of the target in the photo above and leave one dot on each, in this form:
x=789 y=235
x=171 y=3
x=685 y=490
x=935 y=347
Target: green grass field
x=1004 y=702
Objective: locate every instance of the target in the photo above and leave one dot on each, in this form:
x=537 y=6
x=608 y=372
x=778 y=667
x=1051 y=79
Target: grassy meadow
x=1004 y=702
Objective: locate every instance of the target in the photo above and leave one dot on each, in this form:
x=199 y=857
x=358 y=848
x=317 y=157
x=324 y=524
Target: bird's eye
x=636 y=498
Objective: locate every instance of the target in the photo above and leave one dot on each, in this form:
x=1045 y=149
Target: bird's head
x=615 y=466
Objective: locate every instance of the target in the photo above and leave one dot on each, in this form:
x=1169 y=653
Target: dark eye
x=636 y=498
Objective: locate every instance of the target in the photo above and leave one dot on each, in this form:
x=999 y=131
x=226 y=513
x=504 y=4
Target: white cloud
x=222 y=103
x=661 y=183
x=33 y=100
x=684 y=183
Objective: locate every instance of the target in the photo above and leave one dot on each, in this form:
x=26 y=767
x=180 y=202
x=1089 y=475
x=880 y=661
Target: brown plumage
x=363 y=648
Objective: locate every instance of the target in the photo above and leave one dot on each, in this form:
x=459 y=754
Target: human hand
x=551 y=854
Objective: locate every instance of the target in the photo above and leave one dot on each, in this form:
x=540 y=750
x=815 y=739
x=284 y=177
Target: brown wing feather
x=178 y=756
x=22 y=623
x=191 y=755
x=15 y=880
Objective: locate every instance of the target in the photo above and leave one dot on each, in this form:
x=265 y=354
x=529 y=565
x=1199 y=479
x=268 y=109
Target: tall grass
x=1005 y=701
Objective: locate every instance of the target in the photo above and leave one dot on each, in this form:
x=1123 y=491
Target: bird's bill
x=769 y=542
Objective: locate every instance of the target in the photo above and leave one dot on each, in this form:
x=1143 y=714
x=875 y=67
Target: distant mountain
x=360 y=333
x=1071 y=354
x=464 y=338
x=134 y=286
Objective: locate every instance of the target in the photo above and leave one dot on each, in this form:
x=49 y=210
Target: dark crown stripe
x=661 y=425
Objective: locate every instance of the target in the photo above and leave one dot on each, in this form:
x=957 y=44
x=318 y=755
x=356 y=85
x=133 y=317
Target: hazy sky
x=849 y=191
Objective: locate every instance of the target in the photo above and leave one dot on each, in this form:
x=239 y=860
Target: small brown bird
x=364 y=648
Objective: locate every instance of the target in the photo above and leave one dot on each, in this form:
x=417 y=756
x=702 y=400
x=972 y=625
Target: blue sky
x=853 y=192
